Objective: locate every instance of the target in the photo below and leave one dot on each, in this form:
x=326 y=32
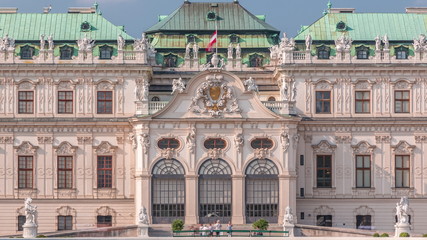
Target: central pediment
x=214 y=95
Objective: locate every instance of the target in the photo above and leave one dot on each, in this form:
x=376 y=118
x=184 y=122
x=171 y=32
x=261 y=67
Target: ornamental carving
x=324 y=210
x=65 y=85
x=343 y=139
x=106 y=211
x=105 y=86
x=363 y=147
x=364 y=210
x=6 y=139
x=168 y=153
x=120 y=140
x=26 y=86
x=145 y=142
x=324 y=147
x=66 y=211
x=402 y=85
x=65 y=148
x=26 y=148
x=420 y=139
x=261 y=153
x=215 y=153
x=323 y=85
x=105 y=148
x=43 y=140
x=382 y=139
x=132 y=139
x=214 y=97
x=284 y=140
x=403 y=147
x=84 y=140
x=363 y=85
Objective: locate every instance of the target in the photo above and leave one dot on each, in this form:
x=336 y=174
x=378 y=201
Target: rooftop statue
x=386 y=42
x=308 y=42
x=230 y=51
x=50 y=42
x=377 y=43
x=238 y=51
x=42 y=42
x=85 y=44
x=287 y=43
x=120 y=42
x=343 y=43
x=250 y=85
x=7 y=43
x=195 y=51
x=420 y=44
x=178 y=85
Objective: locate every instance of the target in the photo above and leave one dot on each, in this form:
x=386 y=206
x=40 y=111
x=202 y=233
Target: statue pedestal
x=143 y=230
x=401 y=228
x=290 y=228
x=30 y=230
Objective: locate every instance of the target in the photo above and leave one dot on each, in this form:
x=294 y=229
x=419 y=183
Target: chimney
x=81 y=10
x=417 y=10
x=8 y=10
x=342 y=10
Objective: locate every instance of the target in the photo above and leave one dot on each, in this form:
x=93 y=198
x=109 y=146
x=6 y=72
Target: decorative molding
x=403 y=147
x=323 y=85
x=120 y=140
x=84 y=140
x=6 y=140
x=105 y=86
x=383 y=139
x=308 y=138
x=43 y=140
x=26 y=148
x=66 y=211
x=324 y=147
x=145 y=142
x=323 y=210
x=106 y=211
x=343 y=139
x=215 y=153
x=363 y=147
x=65 y=148
x=421 y=139
x=105 y=148
x=168 y=153
x=261 y=153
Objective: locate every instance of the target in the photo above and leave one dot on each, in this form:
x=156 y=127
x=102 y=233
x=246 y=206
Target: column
x=191 y=199
x=238 y=199
x=287 y=194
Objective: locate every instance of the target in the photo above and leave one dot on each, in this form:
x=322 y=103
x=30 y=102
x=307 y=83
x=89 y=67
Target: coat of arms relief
x=214 y=97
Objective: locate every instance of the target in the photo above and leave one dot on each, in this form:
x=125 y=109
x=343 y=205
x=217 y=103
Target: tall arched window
x=262 y=191
x=214 y=191
x=168 y=191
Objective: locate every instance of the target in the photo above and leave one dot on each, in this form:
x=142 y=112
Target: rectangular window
x=363 y=222
x=21 y=221
x=363 y=171
x=324 y=171
x=65 y=172
x=65 y=102
x=104 y=221
x=105 y=171
x=25 y=172
x=65 y=223
x=363 y=102
x=401 y=101
x=105 y=102
x=26 y=102
x=323 y=102
x=324 y=220
x=402 y=171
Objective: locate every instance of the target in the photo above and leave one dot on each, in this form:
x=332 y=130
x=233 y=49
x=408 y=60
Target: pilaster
x=238 y=205
x=191 y=199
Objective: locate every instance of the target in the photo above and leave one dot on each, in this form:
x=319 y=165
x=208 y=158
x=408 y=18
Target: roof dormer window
x=341 y=26
x=211 y=16
x=85 y=26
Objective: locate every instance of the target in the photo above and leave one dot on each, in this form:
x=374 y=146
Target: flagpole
x=216 y=30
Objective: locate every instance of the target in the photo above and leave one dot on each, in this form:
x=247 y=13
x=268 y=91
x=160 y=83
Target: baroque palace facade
x=97 y=124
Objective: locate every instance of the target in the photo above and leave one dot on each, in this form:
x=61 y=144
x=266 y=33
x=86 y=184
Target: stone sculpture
x=178 y=85
x=250 y=85
x=42 y=42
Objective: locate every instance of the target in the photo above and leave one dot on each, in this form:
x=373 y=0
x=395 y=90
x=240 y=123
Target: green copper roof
x=366 y=26
x=63 y=26
x=193 y=17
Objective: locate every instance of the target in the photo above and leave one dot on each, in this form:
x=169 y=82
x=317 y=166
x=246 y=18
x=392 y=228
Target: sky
x=285 y=15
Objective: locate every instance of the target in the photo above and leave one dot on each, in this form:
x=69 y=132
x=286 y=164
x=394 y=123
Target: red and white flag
x=212 y=41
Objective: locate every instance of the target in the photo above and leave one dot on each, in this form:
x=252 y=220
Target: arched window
x=262 y=191
x=105 y=52
x=27 y=52
x=215 y=143
x=170 y=60
x=234 y=38
x=155 y=99
x=256 y=60
x=402 y=52
x=271 y=99
x=214 y=191
x=362 y=52
x=191 y=38
x=168 y=191
x=323 y=52
x=165 y=143
x=66 y=52
x=262 y=143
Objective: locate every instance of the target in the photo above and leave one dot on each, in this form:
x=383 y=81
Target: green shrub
x=41 y=236
x=424 y=235
x=260 y=224
x=376 y=235
x=177 y=225
x=384 y=235
x=404 y=234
